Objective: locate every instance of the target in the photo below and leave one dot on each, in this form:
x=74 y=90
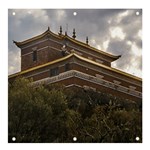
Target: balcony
x=92 y=79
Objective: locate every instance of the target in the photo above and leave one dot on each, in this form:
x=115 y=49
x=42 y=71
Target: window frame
x=54 y=71
x=67 y=66
x=34 y=55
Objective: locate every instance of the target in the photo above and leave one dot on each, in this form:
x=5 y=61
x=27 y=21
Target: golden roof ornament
x=74 y=34
x=66 y=33
x=60 y=31
x=87 y=40
x=48 y=29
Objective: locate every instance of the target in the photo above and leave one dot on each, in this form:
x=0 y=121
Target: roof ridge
x=40 y=66
x=48 y=31
x=79 y=57
x=110 y=68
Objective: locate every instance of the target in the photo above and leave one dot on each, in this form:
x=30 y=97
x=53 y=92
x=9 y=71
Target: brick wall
x=45 y=53
x=49 y=48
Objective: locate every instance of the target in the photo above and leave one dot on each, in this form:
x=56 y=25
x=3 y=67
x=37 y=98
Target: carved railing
x=96 y=80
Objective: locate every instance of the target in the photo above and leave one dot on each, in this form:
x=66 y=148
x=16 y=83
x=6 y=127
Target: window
x=54 y=71
x=67 y=67
x=34 y=56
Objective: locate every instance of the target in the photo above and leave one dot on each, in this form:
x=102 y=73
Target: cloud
x=117 y=31
x=14 y=62
x=139 y=34
x=60 y=14
x=106 y=44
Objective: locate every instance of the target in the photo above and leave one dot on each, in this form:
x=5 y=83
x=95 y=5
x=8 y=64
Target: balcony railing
x=93 y=79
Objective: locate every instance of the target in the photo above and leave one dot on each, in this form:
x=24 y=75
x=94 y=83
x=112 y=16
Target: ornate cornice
x=73 y=54
x=61 y=37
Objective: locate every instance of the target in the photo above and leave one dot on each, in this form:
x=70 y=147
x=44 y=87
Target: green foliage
x=51 y=113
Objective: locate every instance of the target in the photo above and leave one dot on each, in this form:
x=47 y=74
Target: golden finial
x=87 y=40
x=48 y=28
x=74 y=34
x=60 y=31
x=66 y=33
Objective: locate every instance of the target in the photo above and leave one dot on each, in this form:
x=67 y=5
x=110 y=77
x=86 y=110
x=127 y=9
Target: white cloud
x=140 y=34
x=60 y=14
x=135 y=50
x=129 y=43
x=116 y=32
x=40 y=14
x=109 y=21
x=105 y=44
x=93 y=41
x=124 y=14
x=37 y=14
x=14 y=63
x=113 y=64
x=132 y=69
x=98 y=47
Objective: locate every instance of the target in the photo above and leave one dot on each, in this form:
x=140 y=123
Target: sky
x=116 y=31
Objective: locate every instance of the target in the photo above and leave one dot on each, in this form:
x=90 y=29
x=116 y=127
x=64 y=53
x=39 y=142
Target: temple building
x=58 y=58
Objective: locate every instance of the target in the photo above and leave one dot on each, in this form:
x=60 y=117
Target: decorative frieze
x=99 y=61
x=99 y=76
x=78 y=53
x=90 y=58
x=122 y=88
x=92 y=79
x=34 y=48
x=116 y=82
x=132 y=87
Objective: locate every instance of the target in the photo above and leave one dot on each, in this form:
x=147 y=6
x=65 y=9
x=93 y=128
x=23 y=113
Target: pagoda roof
x=61 y=37
x=81 y=58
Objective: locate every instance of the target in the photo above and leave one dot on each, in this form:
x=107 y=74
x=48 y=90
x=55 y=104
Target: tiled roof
x=19 y=44
x=81 y=58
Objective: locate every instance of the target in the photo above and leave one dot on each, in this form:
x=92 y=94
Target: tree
x=37 y=114
x=112 y=125
x=52 y=113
